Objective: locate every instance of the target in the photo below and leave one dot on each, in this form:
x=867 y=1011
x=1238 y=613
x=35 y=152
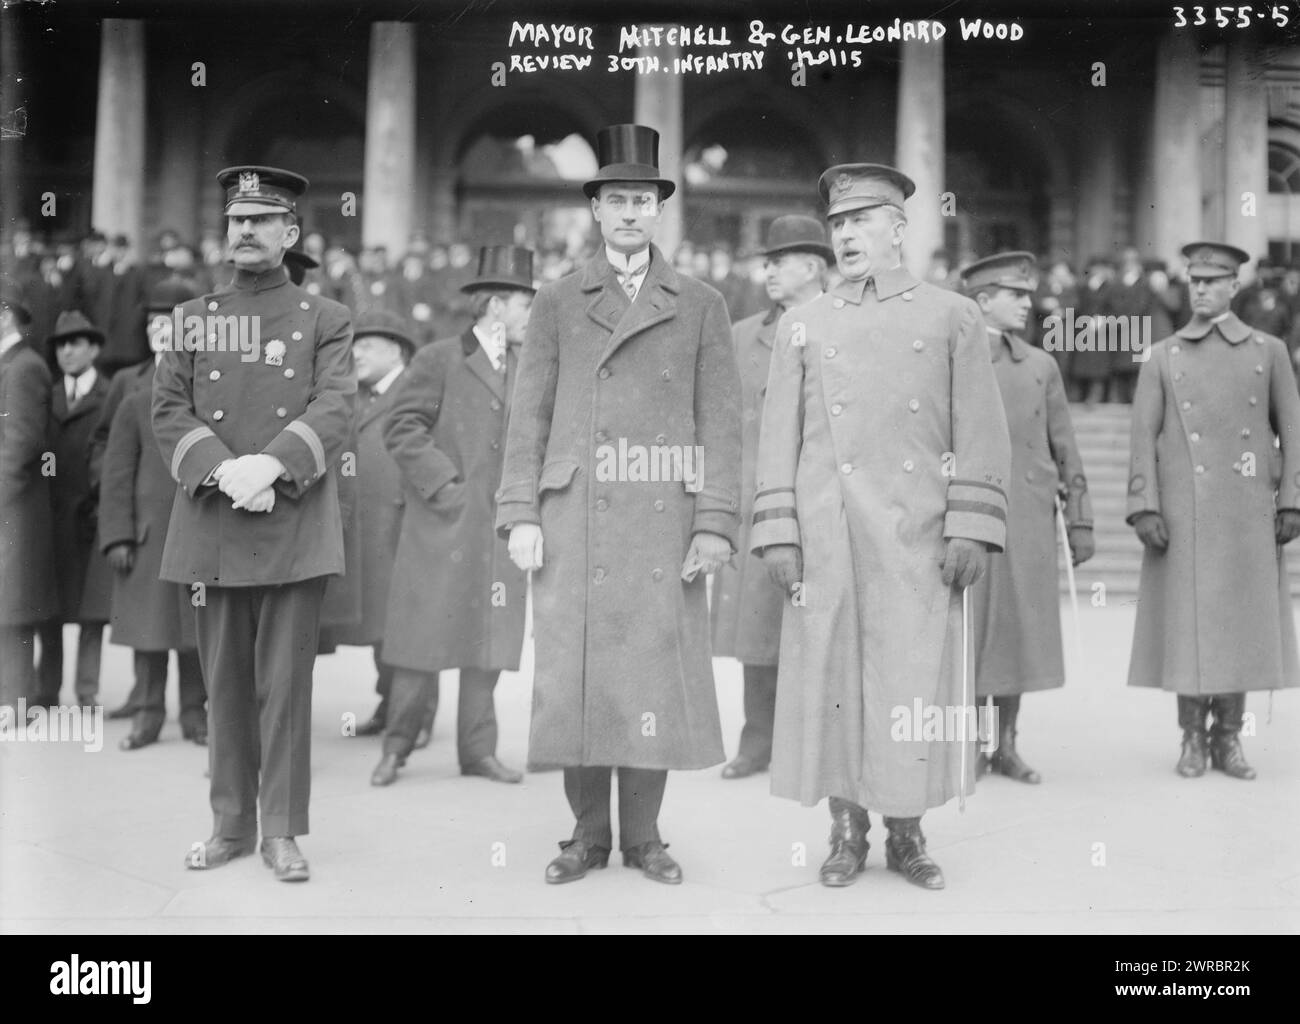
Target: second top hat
x=503 y=267
x=628 y=152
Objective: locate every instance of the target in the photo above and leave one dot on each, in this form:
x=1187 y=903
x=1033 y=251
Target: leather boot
x=1225 y=736
x=1006 y=759
x=1191 y=718
x=905 y=853
x=849 y=846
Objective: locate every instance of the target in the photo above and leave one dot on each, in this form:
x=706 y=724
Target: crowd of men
x=855 y=463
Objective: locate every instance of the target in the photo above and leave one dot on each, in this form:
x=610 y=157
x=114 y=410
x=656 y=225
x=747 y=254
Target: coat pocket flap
x=556 y=476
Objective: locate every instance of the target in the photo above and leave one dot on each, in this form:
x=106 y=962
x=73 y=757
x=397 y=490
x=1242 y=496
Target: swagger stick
x=965 y=693
x=1074 y=593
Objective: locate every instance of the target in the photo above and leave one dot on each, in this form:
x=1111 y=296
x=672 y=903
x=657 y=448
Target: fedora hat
x=385 y=324
x=73 y=324
x=797 y=233
x=628 y=152
x=503 y=267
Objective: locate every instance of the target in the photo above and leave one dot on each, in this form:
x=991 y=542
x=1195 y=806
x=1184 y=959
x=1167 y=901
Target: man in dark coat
x=746 y=608
x=85 y=582
x=1131 y=299
x=28 y=595
x=1214 y=495
x=455 y=600
x=1089 y=368
x=623 y=460
x=1016 y=604
x=136 y=492
x=252 y=430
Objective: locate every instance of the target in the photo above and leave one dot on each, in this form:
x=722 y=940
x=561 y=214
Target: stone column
x=1176 y=154
x=388 y=188
x=1245 y=150
x=1095 y=231
x=920 y=148
x=117 y=204
x=657 y=103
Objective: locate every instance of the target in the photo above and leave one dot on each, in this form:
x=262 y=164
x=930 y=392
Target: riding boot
x=1225 y=736
x=1191 y=718
x=905 y=853
x=849 y=825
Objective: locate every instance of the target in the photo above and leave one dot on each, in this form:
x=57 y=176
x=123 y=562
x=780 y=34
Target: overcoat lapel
x=655 y=303
x=479 y=365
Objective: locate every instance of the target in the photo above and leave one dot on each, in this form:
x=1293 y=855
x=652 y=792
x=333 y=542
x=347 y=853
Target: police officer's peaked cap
x=251 y=190
x=847 y=187
x=1213 y=259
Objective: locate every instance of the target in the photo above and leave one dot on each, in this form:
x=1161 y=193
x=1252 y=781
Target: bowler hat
x=252 y=190
x=628 y=152
x=797 y=233
x=167 y=295
x=73 y=324
x=503 y=267
x=385 y=324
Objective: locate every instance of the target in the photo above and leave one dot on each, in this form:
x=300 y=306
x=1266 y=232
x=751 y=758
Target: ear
x=291 y=235
x=595 y=206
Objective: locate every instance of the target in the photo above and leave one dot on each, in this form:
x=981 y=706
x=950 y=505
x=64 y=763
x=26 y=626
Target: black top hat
x=13 y=299
x=74 y=324
x=386 y=324
x=628 y=152
x=298 y=263
x=167 y=295
x=503 y=267
x=796 y=233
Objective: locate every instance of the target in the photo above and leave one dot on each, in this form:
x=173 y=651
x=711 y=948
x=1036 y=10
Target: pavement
x=1112 y=842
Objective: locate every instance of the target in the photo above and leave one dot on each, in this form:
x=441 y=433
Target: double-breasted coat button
x=1259 y=369
x=1029 y=476
x=659 y=504
x=1258 y=340
x=304 y=304
x=601 y=436
x=282 y=412
x=657 y=575
x=212 y=307
x=1254 y=400
x=1187 y=405
x=847 y=468
x=495 y=446
x=1195 y=436
x=660 y=438
x=602 y=505
x=214 y=375
x=1245 y=432
x=830 y=352
x=219 y=414
x=836 y=409
x=604 y=373
x=1174 y=350
x=1200 y=469
x=907 y=296
x=914 y=405
x=918 y=345
x=496 y=406
x=297 y=335
x=598 y=575
x=288 y=372
x=908 y=466
x=838 y=303
x=1178 y=375
x=666 y=375
x=1236 y=467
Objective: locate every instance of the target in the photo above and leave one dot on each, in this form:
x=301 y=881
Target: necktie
x=72 y=392
x=628 y=280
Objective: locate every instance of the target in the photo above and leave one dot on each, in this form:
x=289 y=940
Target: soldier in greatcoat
x=29 y=595
x=253 y=431
x=1016 y=604
x=620 y=493
x=1214 y=495
x=881 y=485
x=746 y=607
x=456 y=601
x=136 y=493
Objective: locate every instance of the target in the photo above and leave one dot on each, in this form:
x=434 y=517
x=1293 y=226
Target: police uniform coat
x=623 y=669
x=136 y=494
x=1016 y=604
x=213 y=405
x=883 y=434
x=1214 y=611
x=746 y=607
x=84 y=578
x=457 y=600
x=379 y=518
x=29 y=594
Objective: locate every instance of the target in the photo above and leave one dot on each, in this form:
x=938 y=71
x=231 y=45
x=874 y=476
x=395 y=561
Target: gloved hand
x=121 y=557
x=248 y=476
x=1287 y=525
x=1151 y=530
x=964 y=562
x=708 y=553
x=262 y=501
x=1082 y=544
x=784 y=564
x=525 y=546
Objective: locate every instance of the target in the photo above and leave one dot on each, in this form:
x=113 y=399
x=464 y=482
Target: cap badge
x=248 y=182
x=843 y=183
x=275 y=352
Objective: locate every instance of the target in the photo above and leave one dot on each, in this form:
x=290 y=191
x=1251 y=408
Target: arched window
x=1283 y=169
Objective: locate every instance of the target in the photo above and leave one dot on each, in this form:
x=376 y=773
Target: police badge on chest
x=275 y=352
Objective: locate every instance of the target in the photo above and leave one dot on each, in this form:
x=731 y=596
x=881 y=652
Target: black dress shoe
x=905 y=853
x=136 y=740
x=490 y=768
x=575 y=860
x=848 y=857
x=125 y=711
x=741 y=766
x=197 y=735
x=377 y=722
x=385 y=773
x=281 y=854
x=654 y=861
x=217 y=851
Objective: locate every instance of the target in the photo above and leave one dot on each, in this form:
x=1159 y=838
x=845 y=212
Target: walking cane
x=1074 y=593
x=965 y=694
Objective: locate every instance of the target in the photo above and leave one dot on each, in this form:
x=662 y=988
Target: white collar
x=633 y=264
x=489 y=347
x=83 y=382
x=9 y=341
x=384 y=382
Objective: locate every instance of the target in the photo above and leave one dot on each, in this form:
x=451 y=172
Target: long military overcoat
x=379 y=519
x=606 y=387
x=136 y=493
x=1016 y=604
x=456 y=600
x=883 y=434
x=1214 y=610
x=294 y=400
x=29 y=594
x=746 y=607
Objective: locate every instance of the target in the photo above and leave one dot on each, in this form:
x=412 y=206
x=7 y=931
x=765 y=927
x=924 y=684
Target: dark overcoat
x=293 y=401
x=457 y=600
x=379 y=519
x=1214 y=610
x=883 y=436
x=29 y=593
x=136 y=494
x=84 y=578
x=1016 y=604
x=746 y=607
x=609 y=391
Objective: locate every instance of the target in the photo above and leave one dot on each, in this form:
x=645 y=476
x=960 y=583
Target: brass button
x=836 y=409
x=604 y=373
x=288 y=372
x=908 y=466
x=1195 y=436
x=601 y=436
x=666 y=375
x=214 y=375
x=1029 y=476
x=1200 y=469
x=218 y=415
x=1178 y=375
x=839 y=303
x=659 y=504
x=496 y=406
x=914 y=405
x=1259 y=369
x=847 y=468
x=313 y=288
x=918 y=345
x=602 y=505
x=598 y=575
x=304 y=304
x=830 y=352
x=495 y=446
x=660 y=438
x=282 y=412
x=297 y=335
x=907 y=296
x=1236 y=467
x=1245 y=432
x=1174 y=350
x=1187 y=405
x=657 y=575
x=1254 y=400
x=212 y=307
